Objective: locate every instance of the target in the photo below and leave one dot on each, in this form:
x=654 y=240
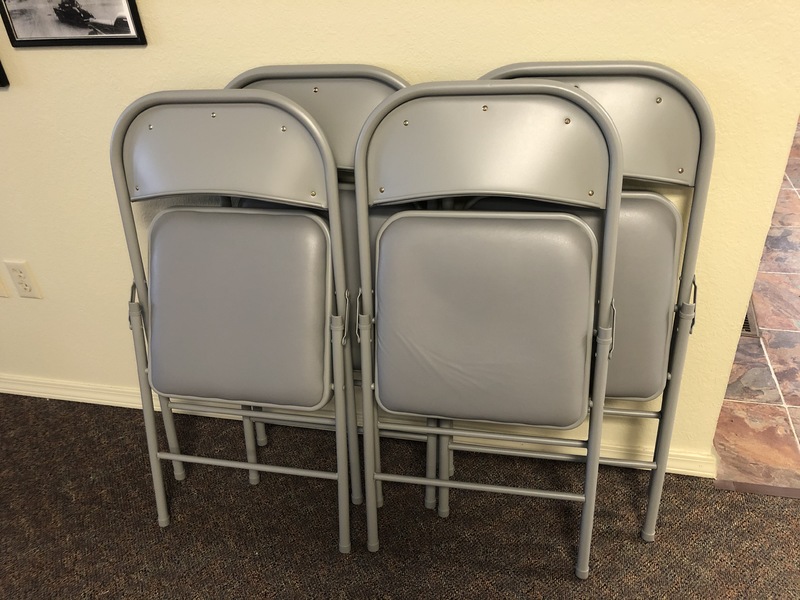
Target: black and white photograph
x=72 y=22
x=3 y=78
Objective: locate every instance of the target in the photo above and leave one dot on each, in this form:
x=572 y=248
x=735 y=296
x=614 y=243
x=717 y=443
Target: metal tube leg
x=342 y=458
x=430 y=466
x=356 y=492
x=261 y=433
x=172 y=437
x=378 y=484
x=371 y=437
x=669 y=405
x=250 y=445
x=444 y=468
x=593 y=453
x=135 y=314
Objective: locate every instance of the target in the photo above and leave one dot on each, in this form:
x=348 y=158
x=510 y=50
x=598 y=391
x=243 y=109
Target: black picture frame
x=72 y=23
x=3 y=78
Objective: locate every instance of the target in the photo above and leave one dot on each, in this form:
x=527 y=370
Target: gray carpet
x=78 y=521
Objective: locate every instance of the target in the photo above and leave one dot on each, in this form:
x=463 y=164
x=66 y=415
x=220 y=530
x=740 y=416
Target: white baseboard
x=76 y=391
x=683 y=463
x=680 y=463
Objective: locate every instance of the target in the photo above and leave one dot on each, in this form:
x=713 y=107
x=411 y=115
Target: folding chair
x=667 y=133
x=238 y=309
x=487 y=317
x=340 y=98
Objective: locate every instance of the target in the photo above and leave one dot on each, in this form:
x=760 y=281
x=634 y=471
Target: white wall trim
x=76 y=391
x=683 y=463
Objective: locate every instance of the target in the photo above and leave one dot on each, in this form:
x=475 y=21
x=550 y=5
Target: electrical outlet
x=22 y=278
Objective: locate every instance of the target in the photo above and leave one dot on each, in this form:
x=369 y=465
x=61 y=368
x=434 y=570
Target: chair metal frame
x=319 y=89
x=581 y=74
x=225 y=102
x=368 y=195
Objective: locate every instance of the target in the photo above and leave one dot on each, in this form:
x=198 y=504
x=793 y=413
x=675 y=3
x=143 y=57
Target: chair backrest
x=667 y=132
x=523 y=287
x=339 y=97
x=222 y=280
x=665 y=124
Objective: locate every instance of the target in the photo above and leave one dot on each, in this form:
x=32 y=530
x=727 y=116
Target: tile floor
x=758 y=432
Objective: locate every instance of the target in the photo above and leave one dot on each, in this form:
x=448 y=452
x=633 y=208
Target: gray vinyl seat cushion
x=645 y=288
x=645 y=282
x=478 y=314
x=239 y=306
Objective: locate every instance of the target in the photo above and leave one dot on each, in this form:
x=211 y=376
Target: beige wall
x=58 y=205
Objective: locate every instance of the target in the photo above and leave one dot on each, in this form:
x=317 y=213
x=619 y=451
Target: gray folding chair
x=667 y=132
x=238 y=309
x=340 y=98
x=487 y=317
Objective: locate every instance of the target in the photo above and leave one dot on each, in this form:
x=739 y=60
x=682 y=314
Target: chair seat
x=241 y=321
x=500 y=319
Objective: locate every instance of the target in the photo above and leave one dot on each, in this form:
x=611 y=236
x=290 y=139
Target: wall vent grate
x=750 y=325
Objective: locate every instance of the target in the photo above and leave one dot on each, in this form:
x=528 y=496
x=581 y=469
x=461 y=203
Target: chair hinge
x=364 y=321
x=613 y=328
x=346 y=316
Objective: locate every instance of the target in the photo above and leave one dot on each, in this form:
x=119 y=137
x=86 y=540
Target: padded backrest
x=442 y=145
x=339 y=97
x=231 y=142
x=239 y=306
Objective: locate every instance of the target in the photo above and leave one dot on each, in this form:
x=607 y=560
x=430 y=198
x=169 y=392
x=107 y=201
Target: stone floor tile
x=783 y=350
x=756 y=445
x=776 y=299
x=787 y=209
x=793 y=171
x=781 y=250
x=751 y=379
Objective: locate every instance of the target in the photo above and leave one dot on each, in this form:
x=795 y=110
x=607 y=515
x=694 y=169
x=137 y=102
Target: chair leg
x=356 y=492
x=376 y=429
x=590 y=494
x=172 y=437
x=444 y=468
x=593 y=454
x=341 y=425
x=371 y=437
x=669 y=403
x=261 y=433
x=370 y=484
x=140 y=348
x=250 y=444
x=430 y=466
